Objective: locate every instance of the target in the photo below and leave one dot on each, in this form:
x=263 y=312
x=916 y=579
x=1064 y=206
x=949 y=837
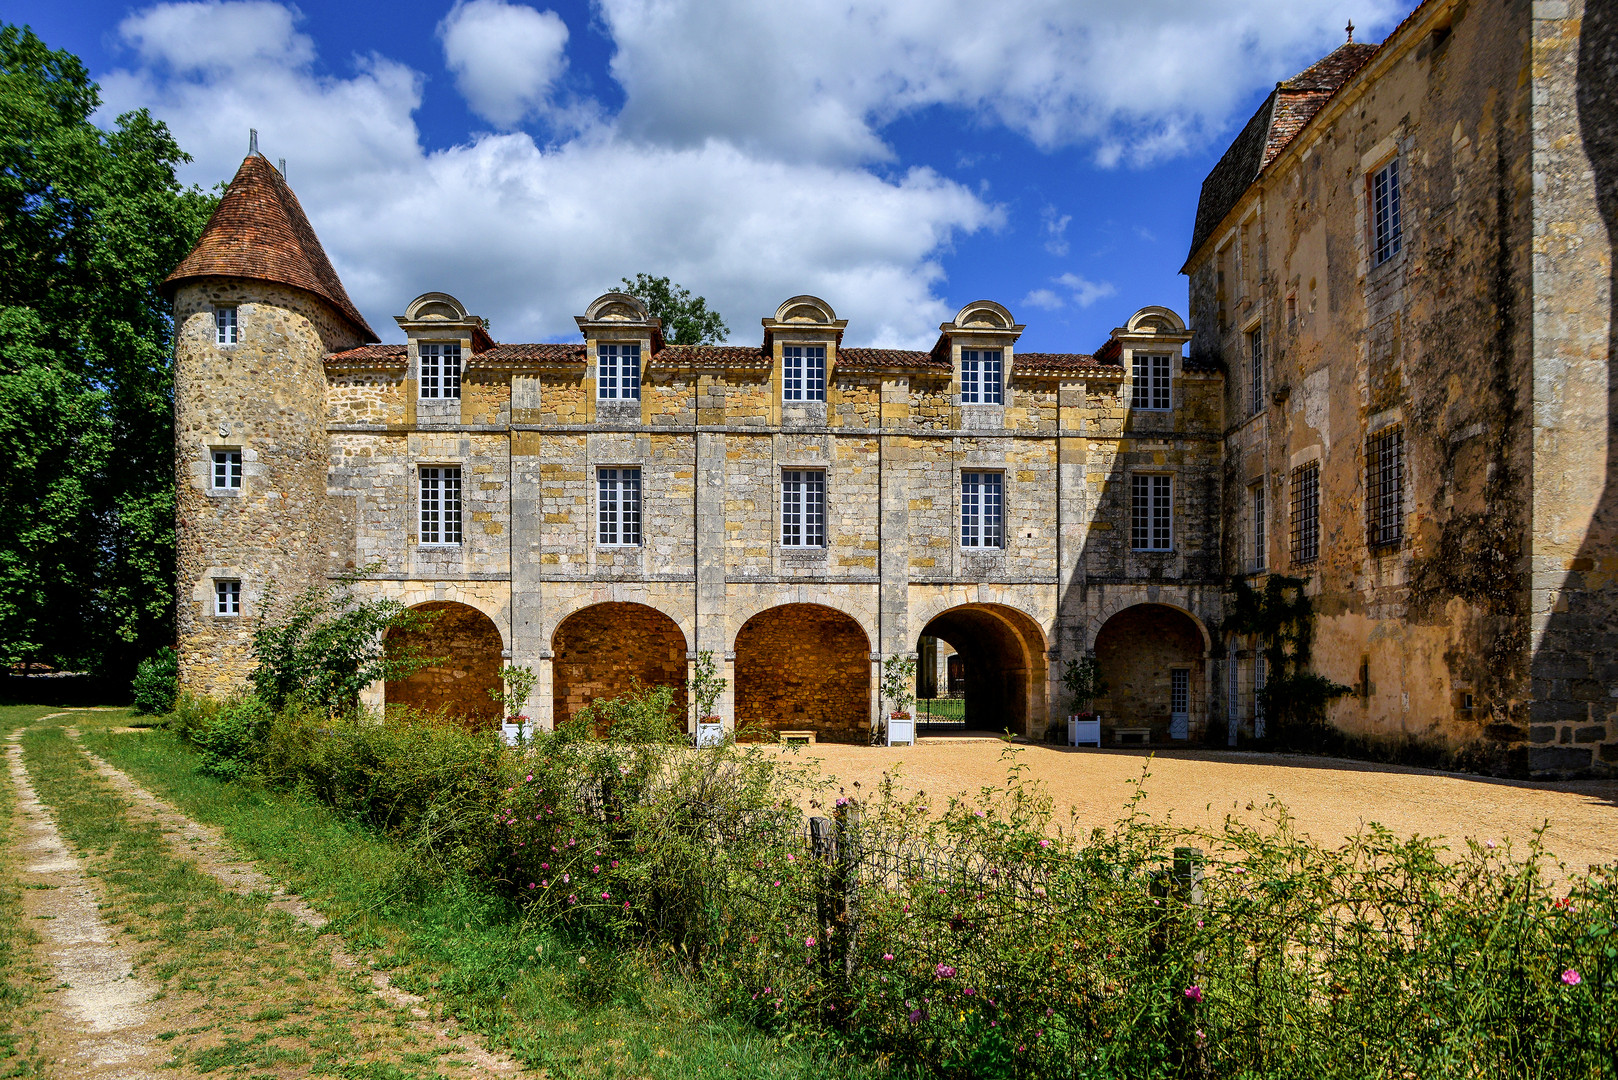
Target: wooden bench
x=1132 y=735
x=797 y=738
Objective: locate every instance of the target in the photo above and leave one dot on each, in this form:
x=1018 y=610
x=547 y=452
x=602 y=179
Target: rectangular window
x=803 y=376
x=1256 y=498
x=224 y=326
x=1233 y=686
x=441 y=504
x=440 y=371
x=618 y=372
x=803 y=508
x=618 y=507
x=981 y=377
x=1179 y=691
x=227 y=469
x=1255 y=355
x=1306 y=513
x=227 y=597
x=983 y=509
x=1260 y=674
x=1384 y=488
x=1151 y=525
x=1149 y=382
x=1385 y=212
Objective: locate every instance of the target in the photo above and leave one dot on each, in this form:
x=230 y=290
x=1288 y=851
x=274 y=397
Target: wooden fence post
x=1186 y=888
x=823 y=848
x=847 y=884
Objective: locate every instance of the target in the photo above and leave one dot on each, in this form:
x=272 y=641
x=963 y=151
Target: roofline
x=171 y=285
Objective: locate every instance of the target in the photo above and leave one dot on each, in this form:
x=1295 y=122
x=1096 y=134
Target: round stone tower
x=257 y=307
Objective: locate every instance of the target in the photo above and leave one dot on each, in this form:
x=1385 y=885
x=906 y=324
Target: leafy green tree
x=90 y=222
x=686 y=318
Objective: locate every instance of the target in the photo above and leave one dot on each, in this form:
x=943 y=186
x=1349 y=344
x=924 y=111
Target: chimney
x=252 y=141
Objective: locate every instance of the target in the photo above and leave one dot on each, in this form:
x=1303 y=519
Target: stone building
x=1404 y=265
x=606 y=509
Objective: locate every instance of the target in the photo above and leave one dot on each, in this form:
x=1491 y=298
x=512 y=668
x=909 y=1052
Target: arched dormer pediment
x=805 y=309
x=616 y=307
x=984 y=315
x=435 y=307
x=803 y=319
x=617 y=316
x=1155 y=320
x=439 y=315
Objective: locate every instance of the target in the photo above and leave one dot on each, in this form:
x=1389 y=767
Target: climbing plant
x=1282 y=617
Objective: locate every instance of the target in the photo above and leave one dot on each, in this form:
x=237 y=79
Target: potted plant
x=705 y=688
x=1082 y=680
x=898 y=682
x=515 y=685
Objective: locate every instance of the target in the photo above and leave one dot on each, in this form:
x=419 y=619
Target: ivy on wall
x=1281 y=617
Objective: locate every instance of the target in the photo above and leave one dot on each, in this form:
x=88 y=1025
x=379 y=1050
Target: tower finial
x=1350 y=29
x=281 y=166
x=252 y=141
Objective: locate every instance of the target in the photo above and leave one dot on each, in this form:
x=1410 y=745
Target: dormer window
x=441 y=371
x=618 y=372
x=803 y=373
x=981 y=377
x=1150 y=382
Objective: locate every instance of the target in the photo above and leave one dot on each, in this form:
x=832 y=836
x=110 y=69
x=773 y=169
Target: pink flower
x=530 y=776
x=606 y=896
x=887 y=956
x=1572 y=977
x=544 y=866
x=530 y=884
x=1044 y=843
x=544 y=883
x=777 y=884
x=1489 y=844
x=1194 y=993
x=809 y=942
x=792 y=858
x=574 y=899
x=944 y=971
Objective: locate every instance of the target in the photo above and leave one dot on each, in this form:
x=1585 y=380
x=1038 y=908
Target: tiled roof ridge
x=260 y=232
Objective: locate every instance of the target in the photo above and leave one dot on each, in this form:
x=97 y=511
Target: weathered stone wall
x=1136 y=650
x=468 y=643
x=602 y=649
x=804 y=667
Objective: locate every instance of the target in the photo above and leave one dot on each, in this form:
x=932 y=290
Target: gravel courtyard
x=1330 y=797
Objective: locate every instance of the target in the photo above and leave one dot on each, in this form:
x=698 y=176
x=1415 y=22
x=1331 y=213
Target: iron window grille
x=618 y=507
x=1151 y=526
x=224 y=326
x=618 y=372
x=227 y=597
x=1255 y=353
x=440 y=371
x=981 y=377
x=803 y=508
x=1305 y=546
x=803 y=376
x=1258 y=561
x=983 y=509
x=441 y=505
x=1385 y=214
x=1384 y=488
x=227 y=469
x=1260 y=676
x=1149 y=383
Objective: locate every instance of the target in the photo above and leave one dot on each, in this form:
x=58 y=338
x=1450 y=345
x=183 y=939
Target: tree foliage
x=686 y=318
x=90 y=222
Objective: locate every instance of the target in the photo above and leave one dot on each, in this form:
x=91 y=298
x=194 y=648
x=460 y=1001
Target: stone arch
x=600 y=649
x=1138 y=649
x=470 y=644
x=684 y=621
x=1006 y=669
x=1124 y=603
x=804 y=667
x=616 y=307
x=984 y=314
x=1156 y=319
x=745 y=613
x=435 y=306
x=805 y=309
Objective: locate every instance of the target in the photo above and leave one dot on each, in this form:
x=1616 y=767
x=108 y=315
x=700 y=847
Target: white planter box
x=513 y=733
x=1081 y=732
x=710 y=735
x=902 y=732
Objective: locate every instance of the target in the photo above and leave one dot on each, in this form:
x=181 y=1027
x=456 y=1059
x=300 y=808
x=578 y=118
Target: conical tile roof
x=260 y=232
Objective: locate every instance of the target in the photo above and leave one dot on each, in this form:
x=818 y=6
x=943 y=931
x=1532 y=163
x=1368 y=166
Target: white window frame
x=1151 y=512
x=1260 y=677
x=983 y=377
x=1387 y=226
x=227 y=598
x=983 y=509
x=618 y=506
x=1260 y=560
x=1151 y=382
x=227 y=328
x=440 y=364
x=1255 y=367
x=618 y=372
x=803 y=508
x=226 y=472
x=1233 y=684
x=803 y=373
x=439 y=505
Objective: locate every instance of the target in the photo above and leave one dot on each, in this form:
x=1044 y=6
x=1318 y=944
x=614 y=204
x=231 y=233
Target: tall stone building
x=1404 y=265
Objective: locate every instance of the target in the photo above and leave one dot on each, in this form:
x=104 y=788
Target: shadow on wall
x=470 y=645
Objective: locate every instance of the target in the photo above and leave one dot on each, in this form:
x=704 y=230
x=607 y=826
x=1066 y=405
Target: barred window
x=440 y=371
x=1255 y=365
x=227 y=597
x=227 y=469
x=1233 y=685
x=1384 y=488
x=1256 y=497
x=441 y=504
x=1385 y=212
x=803 y=508
x=1260 y=676
x=803 y=376
x=618 y=507
x=1151 y=512
x=618 y=372
x=983 y=509
x=1149 y=382
x=224 y=326
x=981 y=380
x=1305 y=545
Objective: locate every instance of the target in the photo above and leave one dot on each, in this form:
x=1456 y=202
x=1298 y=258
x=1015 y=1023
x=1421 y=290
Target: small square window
x=441 y=371
x=618 y=507
x=983 y=509
x=227 y=470
x=227 y=597
x=618 y=372
x=982 y=381
x=803 y=373
x=803 y=508
x=224 y=326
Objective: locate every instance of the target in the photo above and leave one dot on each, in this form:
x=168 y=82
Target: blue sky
x=897 y=157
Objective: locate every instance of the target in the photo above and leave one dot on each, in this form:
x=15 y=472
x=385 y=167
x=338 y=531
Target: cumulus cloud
x=527 y=234
x=1054 y=227
x=1079 y=291
x=505 y=57
x=1045 y=299
x=1138 y=82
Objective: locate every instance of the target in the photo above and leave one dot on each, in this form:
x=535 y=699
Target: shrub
x=233 y=738
x=157 y=683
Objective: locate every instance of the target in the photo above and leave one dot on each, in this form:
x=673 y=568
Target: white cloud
x=526 y=235
x=1085 y=292
x=1139 y=82
x=505 y=57
x=1055 y=229
x=1044 y=299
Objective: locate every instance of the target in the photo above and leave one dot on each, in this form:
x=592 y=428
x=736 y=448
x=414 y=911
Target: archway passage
x=1001 y=667
x=469 y=644
x=601 y=650
x=1151 y=656
x=803 y=667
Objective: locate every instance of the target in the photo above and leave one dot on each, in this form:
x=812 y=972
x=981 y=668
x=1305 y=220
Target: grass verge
x=22 y=976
